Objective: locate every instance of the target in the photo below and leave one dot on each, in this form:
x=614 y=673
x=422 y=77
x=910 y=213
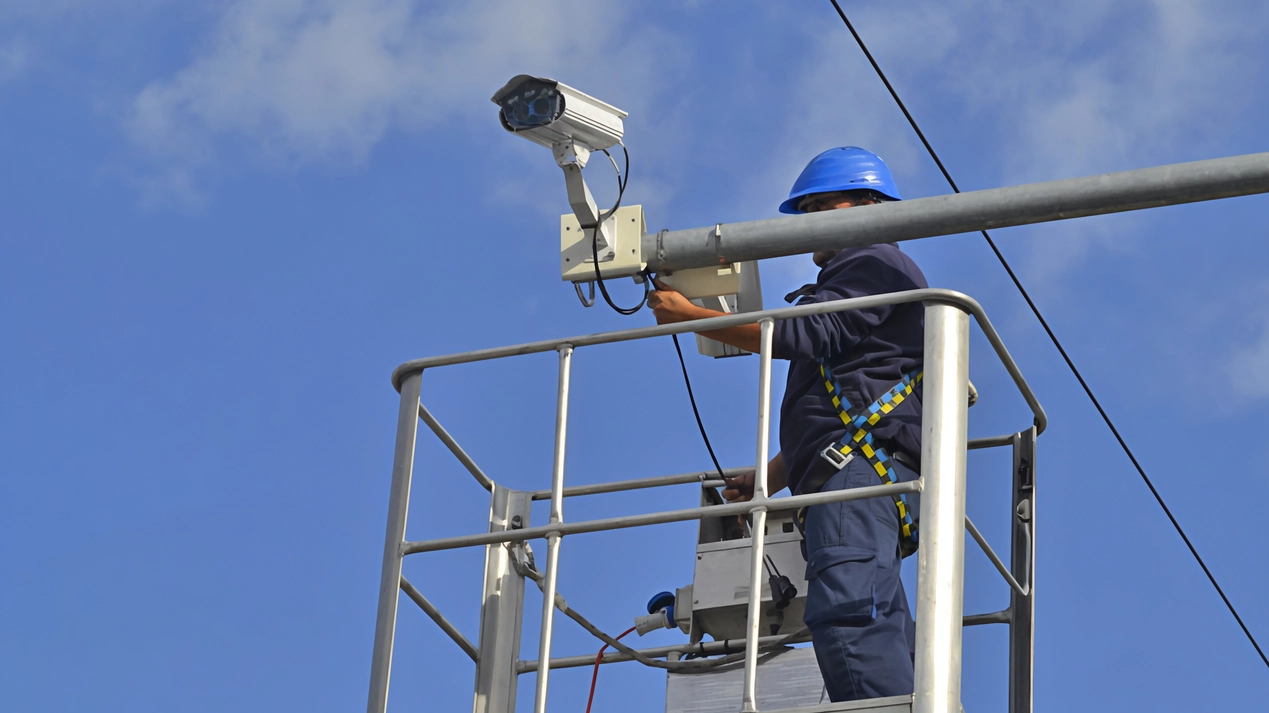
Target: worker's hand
x=670 y=306
x=739 y=489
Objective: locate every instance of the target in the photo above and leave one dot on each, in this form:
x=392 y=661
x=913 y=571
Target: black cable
x=687 y=381
x=622 y=178
x=1053 y=337
x=699 y=424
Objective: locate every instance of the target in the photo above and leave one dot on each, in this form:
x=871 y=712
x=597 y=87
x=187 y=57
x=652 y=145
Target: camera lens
x=532 y=104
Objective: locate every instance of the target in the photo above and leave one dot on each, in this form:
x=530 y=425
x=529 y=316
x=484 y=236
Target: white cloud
x=1247 y=365
x=1076 y=88
x=325 y=80
x=14 y=61
x=1068 y=90
x=1060 y=91
x=299 y=79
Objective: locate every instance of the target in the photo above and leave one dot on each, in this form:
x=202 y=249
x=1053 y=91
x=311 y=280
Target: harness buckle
x=835 y=457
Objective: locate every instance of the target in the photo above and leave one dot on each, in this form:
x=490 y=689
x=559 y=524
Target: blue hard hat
x=845 y=168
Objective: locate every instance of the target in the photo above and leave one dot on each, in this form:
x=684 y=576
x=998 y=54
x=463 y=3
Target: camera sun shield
x=556 y=115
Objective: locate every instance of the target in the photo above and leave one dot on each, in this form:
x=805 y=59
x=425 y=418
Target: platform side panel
x=1022 y=564
x=789 y=679
x=502 y=609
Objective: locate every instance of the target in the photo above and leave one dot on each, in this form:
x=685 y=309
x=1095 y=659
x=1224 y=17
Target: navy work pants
x=856 y=609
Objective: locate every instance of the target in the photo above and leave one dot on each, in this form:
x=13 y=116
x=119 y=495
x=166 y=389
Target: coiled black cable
x=622 y=178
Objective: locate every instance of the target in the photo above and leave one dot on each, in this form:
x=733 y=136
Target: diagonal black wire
x=1066 y=357
x=695 y=412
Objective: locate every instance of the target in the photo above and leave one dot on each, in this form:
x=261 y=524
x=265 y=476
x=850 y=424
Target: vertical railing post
x=390 y=578
x=941 y=557
x=1022 y=566
x=758 y=520
x=502 y=608
x=553 y=539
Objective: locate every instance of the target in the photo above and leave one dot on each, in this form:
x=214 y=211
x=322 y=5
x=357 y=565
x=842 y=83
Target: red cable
x=595 y=676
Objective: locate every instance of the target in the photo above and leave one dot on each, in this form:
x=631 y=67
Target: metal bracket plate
x=577 y=263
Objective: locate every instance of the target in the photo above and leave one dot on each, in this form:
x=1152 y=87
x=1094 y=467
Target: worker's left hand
x=738 y=488
x=669 y=305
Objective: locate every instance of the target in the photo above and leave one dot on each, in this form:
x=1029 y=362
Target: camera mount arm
x=572 y=158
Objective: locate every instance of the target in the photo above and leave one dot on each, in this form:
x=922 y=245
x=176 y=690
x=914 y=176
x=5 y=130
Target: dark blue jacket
x=870 y=350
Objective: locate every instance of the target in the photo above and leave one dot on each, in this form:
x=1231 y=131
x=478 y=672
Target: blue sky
x=225 y=223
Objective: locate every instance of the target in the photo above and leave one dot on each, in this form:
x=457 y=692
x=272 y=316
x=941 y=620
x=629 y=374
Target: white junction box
x=715 y=606
x=720 y=583
x=730 y=288
x=622 y=259
x=701 y=282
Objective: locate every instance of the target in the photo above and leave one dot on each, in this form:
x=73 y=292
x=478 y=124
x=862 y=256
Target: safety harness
x=859 y=440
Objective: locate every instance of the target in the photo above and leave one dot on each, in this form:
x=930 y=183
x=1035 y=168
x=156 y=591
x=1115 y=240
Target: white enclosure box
x=623 y=259
x=716 y=603
x=702 y=282
x=720 y=583
x=728 y=288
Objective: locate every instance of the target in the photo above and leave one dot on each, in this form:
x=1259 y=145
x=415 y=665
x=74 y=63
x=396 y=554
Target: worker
x=856 y=609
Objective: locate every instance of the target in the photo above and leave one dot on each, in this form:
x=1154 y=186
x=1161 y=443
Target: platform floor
x=788 y=681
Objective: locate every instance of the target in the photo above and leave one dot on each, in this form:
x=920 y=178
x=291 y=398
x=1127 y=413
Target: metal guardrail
x=940 y=558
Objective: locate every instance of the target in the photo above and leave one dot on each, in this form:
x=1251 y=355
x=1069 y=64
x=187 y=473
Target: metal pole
x=660 y=518
x=995 y=558
x=390 y=576
x=958 y=213
x=502 y=608
x=485 y=481
x=733 y=320
x=553 y=539
x=700 y=477
x=1022 y=562
x=941 y=557
x=758 y=523
x=446 y=625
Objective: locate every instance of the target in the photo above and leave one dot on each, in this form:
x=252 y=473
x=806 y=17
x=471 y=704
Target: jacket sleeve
x=829 y=335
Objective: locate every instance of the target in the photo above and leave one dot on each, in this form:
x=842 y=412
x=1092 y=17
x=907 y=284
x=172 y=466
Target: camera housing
x=559 y=117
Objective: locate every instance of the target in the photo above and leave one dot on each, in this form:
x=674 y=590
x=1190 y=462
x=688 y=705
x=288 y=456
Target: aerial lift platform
x=774 y=677
x=729 y=565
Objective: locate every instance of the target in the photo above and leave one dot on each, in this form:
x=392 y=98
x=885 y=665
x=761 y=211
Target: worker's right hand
x=669 y=306
x=739 y=488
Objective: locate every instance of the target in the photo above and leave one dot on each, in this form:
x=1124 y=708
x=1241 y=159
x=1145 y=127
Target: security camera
x=594 y=244
x=557 y=116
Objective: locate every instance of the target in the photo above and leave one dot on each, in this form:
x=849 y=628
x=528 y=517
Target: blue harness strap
x=859 y=440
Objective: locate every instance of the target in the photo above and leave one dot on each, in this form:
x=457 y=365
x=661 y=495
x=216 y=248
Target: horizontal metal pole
x=990 y=442
x=963 y=301
x=660 y=518
x=485 y=481
x=958 y=213
x=702 y=477
x=706 y=478
x=665 y=330
x=998 y=617
x=729 y=646
x=995 y=559
x=431 y=610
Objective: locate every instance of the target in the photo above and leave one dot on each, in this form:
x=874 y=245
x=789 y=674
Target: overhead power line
x=1053 y=337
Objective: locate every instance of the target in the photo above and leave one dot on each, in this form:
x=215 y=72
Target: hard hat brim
x=790 y=206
